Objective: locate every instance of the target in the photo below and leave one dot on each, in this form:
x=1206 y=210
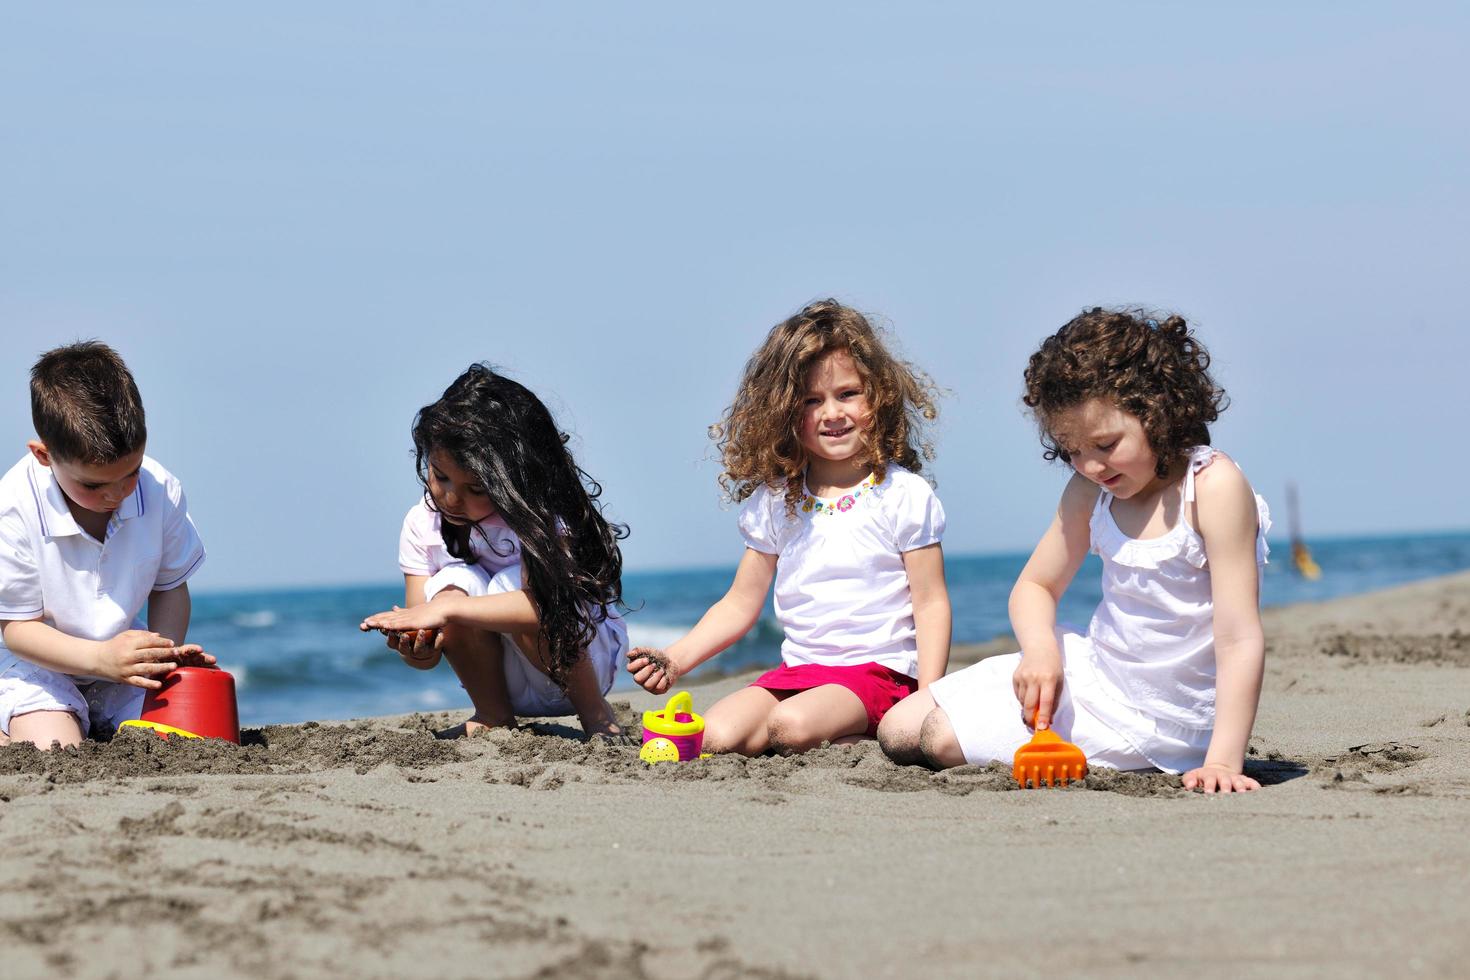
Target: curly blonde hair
x=757 y=437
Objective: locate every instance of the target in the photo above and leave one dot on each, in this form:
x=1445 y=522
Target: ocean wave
x=657 y=635
x=254 y=620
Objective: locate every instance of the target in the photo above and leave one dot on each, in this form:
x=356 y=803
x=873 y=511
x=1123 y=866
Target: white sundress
x=1139 y=685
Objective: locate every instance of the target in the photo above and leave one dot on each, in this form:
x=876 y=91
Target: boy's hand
x=652 y=669
x=1038 y=685
x=1213 y=777
x=141 y=658
x=193 y=655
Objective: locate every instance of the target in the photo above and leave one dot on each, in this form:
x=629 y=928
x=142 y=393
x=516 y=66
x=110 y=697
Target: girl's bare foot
x=472 y=726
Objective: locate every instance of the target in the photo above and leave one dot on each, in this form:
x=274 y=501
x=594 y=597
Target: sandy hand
x=141 y=658
x=1215 y=778
x=424 y=616
x=652 y=669
x=420 y=649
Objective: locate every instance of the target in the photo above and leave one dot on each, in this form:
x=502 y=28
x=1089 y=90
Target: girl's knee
x=792 y=730
x=468 y=639
x=898 y=737
x=720 y=738
x=938 y=743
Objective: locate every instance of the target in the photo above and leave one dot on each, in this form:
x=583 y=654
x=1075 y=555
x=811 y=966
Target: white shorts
x=981 y=705
x=98 y=705
x=532 y=693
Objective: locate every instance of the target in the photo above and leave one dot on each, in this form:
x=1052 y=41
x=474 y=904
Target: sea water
x=298 y=655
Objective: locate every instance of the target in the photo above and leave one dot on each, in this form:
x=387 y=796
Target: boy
x=91 y=532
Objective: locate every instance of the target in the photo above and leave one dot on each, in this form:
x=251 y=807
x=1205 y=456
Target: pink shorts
x=876 y=686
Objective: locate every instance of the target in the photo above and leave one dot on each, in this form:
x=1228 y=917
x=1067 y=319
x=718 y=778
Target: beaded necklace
x=811 y=504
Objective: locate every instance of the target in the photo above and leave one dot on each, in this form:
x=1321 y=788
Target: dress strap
x=1199 y=458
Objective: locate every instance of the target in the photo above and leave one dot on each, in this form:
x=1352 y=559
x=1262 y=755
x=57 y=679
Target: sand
x=372 y=849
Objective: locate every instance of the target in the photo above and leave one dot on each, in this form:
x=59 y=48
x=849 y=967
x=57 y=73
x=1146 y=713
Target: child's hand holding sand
x=425 y=616
x=420 y=646
x=141 y=658
x=652 y=669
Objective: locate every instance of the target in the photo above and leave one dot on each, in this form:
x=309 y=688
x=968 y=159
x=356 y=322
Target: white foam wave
x=657 y=635
x=257 y=620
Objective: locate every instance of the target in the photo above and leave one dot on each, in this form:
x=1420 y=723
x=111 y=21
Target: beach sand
x=371 y=849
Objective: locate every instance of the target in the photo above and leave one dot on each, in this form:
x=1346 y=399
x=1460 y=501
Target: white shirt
x=842 y=592
x=53 y=570
x=421 y=548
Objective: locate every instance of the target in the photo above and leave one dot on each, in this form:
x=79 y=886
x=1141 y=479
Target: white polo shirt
x=50 y=568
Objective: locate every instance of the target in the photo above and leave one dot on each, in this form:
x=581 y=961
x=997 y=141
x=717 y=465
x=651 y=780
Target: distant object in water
x=1301 y=555
x=258 y=620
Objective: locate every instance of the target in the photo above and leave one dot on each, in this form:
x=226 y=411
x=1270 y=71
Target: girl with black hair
x=510 y=570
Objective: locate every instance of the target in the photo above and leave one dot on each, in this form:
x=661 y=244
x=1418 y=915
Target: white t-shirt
x=842 y=593
x=421 y=548
x=50 y=568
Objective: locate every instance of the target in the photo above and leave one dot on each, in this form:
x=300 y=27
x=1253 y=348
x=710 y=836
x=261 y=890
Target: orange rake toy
x=1048 y=761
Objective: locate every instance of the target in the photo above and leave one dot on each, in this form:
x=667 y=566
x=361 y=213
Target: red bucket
x=197 y=701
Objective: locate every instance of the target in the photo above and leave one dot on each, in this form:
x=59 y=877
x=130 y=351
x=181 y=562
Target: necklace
x=812 y=504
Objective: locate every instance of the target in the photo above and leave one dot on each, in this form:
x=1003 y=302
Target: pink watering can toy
x=675 y=734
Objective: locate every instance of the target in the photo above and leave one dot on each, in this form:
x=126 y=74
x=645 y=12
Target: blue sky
x=299 y=223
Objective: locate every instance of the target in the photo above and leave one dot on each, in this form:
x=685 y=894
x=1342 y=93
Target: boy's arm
x=1033 y=606
x=135 y=657
x=725 y=622
x=169 y=611
x=1227 y=520
x=932 y=618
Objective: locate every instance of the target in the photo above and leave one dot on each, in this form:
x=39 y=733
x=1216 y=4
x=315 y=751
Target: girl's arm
x=1051 y=568
x=930 y=597
x=1226 y=517
x=506 y=612
x=725 y=622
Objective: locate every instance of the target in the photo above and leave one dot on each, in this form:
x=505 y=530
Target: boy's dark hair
x=1150 y=365
x=85 y=405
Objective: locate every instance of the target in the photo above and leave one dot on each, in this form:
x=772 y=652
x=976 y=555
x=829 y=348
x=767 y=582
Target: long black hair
x=498 y=430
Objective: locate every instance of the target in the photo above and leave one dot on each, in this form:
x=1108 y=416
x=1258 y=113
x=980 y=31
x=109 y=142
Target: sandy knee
x=792 y=731
x=937 y=741
x=898 y=737
x=721 y=738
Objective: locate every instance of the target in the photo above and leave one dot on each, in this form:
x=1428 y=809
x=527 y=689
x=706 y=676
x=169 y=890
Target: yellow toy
x=658 y=750
x=675 y=728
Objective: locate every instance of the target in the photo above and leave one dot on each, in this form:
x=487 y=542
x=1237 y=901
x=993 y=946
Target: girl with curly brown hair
x=1168 y=674
x=821 y=446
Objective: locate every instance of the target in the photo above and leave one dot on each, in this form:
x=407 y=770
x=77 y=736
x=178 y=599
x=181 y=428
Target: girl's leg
x=938 y=743
x=583 y=690
x=898 y=732
x=806 y=719
x=478 y=659
x=42 y=728
x=740 y=722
